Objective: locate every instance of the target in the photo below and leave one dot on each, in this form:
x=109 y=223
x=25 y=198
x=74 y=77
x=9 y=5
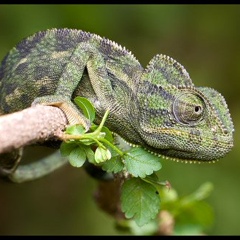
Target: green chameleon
x=157 y=107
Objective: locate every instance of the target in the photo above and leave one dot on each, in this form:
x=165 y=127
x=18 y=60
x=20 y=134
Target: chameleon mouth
x=189 y=156
x=184 y=148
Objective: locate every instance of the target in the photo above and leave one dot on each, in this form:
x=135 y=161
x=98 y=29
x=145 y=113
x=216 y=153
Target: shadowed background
x=203 y=38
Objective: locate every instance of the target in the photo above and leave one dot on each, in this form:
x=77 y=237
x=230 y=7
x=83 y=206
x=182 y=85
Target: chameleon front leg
x=84 y=57
x=73 y=114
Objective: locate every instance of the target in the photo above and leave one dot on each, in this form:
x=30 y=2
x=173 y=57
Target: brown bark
x=31 y=125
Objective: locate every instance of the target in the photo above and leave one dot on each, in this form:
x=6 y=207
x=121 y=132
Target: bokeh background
x=203 y=38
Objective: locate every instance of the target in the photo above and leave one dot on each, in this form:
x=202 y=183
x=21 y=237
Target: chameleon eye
x=188 y=108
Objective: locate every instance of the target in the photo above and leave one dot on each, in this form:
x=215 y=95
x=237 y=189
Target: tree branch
x=31 y=125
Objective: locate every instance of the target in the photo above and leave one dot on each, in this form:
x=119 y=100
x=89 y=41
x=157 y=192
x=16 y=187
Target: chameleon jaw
x=191 y=161
x=180 y=146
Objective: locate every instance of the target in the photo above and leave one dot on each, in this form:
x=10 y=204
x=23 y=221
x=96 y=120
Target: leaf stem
x=113 y=147
x=98 y=130
x=91 y=135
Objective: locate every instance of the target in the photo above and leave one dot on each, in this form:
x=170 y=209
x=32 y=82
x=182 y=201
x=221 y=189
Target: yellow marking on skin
x=59 y=54
x=167 y=131
x=42 y=82
x=12 y=96
x=23 y=60
x=180 y=133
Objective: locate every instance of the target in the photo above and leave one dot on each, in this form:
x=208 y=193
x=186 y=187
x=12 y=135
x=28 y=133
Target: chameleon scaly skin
x=157 y=107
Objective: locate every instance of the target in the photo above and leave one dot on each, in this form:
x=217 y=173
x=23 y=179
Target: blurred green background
x=203 y=38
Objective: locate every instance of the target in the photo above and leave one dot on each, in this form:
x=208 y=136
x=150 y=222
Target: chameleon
x=157 y=107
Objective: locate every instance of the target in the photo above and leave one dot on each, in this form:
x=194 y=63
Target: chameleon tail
x=32 y=171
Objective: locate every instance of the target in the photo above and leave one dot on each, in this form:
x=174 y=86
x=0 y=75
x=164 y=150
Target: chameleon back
x=22 y=78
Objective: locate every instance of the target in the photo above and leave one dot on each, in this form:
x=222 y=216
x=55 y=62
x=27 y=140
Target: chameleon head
x=178 y=120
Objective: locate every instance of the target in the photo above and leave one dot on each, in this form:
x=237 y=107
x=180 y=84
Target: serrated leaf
x=75 y=130
x=140 y=163
x=77 y=157
x=86 y=106
x=139 y=201
x=102 y=154
x=67 y=147
x=114 y=165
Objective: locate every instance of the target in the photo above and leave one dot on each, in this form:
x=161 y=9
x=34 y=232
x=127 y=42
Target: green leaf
x=140 y=163
x=75 y=130
x=67 y=147
x=108 y=135
x=114 y=165
x=102 y=154
x=87 y=141
x=189 y=210
x=90 y=154
x=77 y=157
x=197 y=213
x=202 y=192
x=148 y=229
x=86 y=106
x=139 y=201
x=188 y=229
x=153 y=178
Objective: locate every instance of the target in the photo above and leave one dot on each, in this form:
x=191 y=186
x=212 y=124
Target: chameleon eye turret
x=189 y=108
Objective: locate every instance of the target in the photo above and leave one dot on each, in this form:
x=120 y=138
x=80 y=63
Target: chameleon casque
x=157 y=107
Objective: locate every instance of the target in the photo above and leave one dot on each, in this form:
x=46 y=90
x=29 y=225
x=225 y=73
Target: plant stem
x=113 y=147
x=98 y=130
x=91 y=135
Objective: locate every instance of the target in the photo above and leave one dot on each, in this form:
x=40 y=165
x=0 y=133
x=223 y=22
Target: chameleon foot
x=73 y=114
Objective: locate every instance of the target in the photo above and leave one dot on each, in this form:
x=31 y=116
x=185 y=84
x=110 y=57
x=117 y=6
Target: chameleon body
x=157 y=107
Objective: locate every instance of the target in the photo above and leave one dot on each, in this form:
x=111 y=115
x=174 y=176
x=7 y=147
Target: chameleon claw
x=72 y=115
